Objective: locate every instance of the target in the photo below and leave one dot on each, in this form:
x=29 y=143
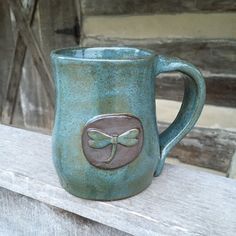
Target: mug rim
x=61 y=53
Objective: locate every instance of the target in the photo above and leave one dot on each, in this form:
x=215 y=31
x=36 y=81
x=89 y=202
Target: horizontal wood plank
x=210 y=55
x=209 y=148
x=117 y=7
x=220 y=88
x=215 y=58
x=25 y=216
x=179 y=202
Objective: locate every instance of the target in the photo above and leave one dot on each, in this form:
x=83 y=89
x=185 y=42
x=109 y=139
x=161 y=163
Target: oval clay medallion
x=112 y=140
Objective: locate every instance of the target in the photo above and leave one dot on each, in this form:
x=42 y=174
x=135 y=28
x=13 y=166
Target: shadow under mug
x=106 y=144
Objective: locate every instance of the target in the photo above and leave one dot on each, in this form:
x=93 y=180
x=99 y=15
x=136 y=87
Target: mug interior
x=103 y=53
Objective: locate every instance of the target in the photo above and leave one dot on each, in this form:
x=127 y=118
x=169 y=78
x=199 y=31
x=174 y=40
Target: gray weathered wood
x=50 y=16
x=209 y=148
x=179 y=202
x=34 y=48
x=18 y=118
x=56 y=15
x=36 y=106
x=16 y=69
x=14 y=81
x=21 y=215
x=216 y=59
x=115 y=7
x=220 y=88
x=6 y=49
x=232 y=169
x=210 y=55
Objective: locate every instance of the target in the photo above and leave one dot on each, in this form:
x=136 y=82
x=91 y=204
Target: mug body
x=105 y=137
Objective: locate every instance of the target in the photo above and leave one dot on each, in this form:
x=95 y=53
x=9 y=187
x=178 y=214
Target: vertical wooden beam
x=6 y=48
x=14 y=81
x=16 y=69
x=232 y=169
x=33 y=46
x=56 y=16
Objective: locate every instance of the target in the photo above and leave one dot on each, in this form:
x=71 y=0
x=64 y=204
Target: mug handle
x=192 y=105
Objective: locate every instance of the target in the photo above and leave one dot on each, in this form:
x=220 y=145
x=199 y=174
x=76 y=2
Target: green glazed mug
x=106 y=144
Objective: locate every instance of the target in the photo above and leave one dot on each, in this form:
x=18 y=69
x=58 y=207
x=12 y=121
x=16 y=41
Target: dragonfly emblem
x=99 y=139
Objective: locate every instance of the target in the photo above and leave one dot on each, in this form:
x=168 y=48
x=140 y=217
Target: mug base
x=98 y=197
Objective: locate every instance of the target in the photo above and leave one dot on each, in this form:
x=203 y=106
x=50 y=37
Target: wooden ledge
x=179 y=202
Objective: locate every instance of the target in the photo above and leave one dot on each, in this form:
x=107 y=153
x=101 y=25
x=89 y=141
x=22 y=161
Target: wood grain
x=210 y=55
x=209 y=148
x=6 y=49
x=36 y=106
x=220 y=88
x=116 y=7
x=56 y=15
x=34 y=47
x=21 y=215
x=215 y=58
x=232 y=169
x=14 y=76
x=50 y=15
x=179 y=202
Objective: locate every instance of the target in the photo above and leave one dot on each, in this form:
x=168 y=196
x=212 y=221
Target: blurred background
x=202 y=32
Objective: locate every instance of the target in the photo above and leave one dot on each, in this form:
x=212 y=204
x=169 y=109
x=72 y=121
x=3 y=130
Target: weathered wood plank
x=210 y=55
x=18 y=118
x=166 y=26
x=179 y=202
x=54 y=16
x=21 y=215
x=232 y=169
x=209 y=148
x=50 y=16
x=116 y=7
x=36 y=106
x=216 y=59
x=220 y=88
x=32 y=44
x=14 y=81
x=16 y=69
x=6 y=49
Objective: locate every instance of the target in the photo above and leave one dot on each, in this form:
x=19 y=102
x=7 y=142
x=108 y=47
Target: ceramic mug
x=106 y=143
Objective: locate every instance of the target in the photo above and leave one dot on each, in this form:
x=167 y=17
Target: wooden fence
x=29 y=31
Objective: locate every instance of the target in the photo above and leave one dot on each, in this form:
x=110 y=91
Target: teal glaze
x=94 y=81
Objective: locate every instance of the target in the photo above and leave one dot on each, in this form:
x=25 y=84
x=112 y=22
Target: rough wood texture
x=220 y=88
x=50 y=16
x=16 y=69
x=213 y=56
x=36 y=106
x=232 y=170
x=116 y=7
x=216 y=59
x=57 y=31
x=209 y=148
x=6 y=49
x=34 y=48
x=179 y=202
x=21 y=215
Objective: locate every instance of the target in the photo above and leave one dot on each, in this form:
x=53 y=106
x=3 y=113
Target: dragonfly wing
x=129 y=138
x=97 y=134
x=98 y=139
x=98 y=143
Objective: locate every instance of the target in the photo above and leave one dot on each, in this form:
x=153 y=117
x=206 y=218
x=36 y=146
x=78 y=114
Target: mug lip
x=58 y=54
